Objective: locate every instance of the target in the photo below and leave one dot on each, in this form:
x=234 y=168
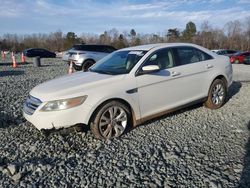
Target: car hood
x=73 y=85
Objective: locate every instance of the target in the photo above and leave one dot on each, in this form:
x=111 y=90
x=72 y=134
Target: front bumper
x=59 y=119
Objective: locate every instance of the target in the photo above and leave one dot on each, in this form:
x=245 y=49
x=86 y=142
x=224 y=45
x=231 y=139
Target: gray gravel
x=194 y=147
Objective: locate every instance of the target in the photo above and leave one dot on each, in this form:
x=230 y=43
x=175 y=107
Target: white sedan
x=130 y=86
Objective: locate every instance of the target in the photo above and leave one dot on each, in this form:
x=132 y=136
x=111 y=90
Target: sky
x=96 y=16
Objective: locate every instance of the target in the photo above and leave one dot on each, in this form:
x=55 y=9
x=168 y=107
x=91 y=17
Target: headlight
x=63 y=104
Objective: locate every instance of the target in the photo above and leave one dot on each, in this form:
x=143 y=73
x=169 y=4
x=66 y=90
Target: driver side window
x=163 y=58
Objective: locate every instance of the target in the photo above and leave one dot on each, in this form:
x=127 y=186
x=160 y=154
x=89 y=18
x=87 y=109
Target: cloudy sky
x=95 y=16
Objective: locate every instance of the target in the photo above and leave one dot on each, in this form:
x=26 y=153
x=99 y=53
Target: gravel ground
x=194 y=147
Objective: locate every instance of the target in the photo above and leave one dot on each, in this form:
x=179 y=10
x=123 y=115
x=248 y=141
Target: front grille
x=31 y=104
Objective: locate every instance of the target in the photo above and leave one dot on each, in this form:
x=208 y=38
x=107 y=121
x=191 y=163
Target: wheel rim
x=218 y=94
x=113 y=122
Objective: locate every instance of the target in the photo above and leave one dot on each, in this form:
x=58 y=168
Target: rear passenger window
x=188 y=55
x=91 y=48
x=98 y=48
x=231 y=51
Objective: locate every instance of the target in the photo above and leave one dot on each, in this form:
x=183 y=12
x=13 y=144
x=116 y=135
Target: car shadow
x=6 y=120
x=245 y=175
x=175 y=112
x=233 y=89
x=9 y=63
x=11 y=73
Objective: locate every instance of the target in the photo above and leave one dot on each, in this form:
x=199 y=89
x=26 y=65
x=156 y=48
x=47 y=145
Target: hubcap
x=218 y=94
x=113 y=122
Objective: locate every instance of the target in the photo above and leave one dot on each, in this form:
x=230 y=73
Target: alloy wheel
x=113 y=122
x=218 y=94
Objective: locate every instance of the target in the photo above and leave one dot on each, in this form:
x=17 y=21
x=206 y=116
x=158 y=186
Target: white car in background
x=84 y=56
x=130 y=86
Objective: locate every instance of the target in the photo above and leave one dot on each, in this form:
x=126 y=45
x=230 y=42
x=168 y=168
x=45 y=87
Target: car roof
x=93 y=45
x=242 y=53
x=148 y=47
x=36 y=49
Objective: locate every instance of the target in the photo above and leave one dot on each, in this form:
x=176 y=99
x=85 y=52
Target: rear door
x=195 y=67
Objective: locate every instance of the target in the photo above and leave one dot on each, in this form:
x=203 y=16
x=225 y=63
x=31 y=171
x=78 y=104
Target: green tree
x=121 y=42
x=189 y=32
x=133 y=41
x=71 y=39
x=173 y=35
x=132 y=33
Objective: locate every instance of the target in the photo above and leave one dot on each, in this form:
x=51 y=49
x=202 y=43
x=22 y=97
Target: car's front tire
x=217 y=94
x=110 y=120
x=87 y=64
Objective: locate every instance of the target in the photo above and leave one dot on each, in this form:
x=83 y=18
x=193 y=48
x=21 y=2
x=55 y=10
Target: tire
x=76 y=67
x=103 y=126
x=217 y=94
x=87 y=64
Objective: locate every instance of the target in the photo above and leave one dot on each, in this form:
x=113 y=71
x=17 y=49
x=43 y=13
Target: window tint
x=163 y=58
x=77 y=47
x=187 y=55
x=94 y=48
x=231 y=51
x=221 y=52
x=83 y=47
x=97 y=48
x=246 y=57
x=109 y=49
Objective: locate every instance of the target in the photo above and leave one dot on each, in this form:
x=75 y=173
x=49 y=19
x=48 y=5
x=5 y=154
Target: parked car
x=84 y=56
x=131 y=86
x=240 y=58
x=39 y=52
x=225 y=52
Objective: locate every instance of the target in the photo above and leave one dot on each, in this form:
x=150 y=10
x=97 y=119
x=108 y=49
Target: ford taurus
x=130 y=86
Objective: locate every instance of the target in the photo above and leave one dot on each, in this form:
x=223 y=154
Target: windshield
x=120 y=62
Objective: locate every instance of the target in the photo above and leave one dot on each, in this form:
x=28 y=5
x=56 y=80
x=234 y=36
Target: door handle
x=175 y=73
x=208 y=66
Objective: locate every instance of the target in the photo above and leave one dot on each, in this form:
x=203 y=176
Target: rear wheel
x=87 y=64
x=111 y=120
x=217 y=94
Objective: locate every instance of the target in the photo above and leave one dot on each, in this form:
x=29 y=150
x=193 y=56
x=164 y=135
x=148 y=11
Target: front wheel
x=87 y=64
x=217 y=94
x=76 y=67
x=111 y=120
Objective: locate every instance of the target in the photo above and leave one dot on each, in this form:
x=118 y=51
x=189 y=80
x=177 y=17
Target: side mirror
x=150 y=68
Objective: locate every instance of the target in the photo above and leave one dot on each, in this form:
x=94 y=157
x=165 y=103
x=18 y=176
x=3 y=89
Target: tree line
x=233 y=35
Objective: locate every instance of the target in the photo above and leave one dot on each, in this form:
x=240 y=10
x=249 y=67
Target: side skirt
x=142 y=120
